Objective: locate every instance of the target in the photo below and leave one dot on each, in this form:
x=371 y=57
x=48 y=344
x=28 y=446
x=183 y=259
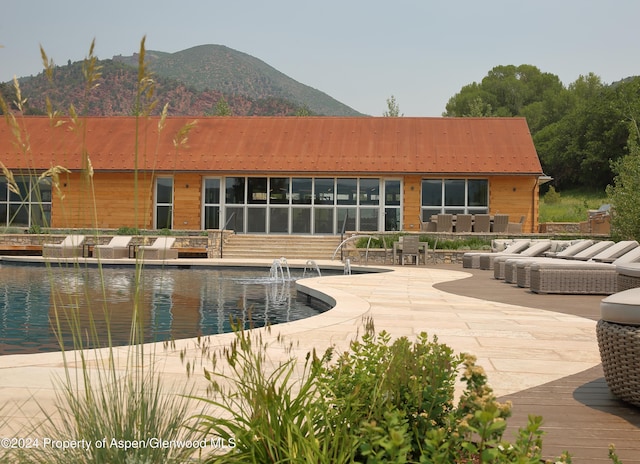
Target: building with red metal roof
x=272 y=174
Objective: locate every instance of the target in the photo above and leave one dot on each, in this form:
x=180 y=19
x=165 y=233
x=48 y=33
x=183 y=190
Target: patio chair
x=463 y=223
x=523 y=268
x=482 y=223
x=500 y=223
x=579 y=277
x=471 y=260
x=509 y=268
x=536 y=249
x=70 y=247
x=410 y=248
x=618 y=331
x=516 y=227
x=118 y=247
x=160 y=249
x=445 y=223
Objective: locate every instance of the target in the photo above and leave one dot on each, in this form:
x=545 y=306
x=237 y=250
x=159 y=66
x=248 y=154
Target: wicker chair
x=410 y=248
x=160 y=249
x=482 y=223
x=118 y=247
x=618 y=333
x=445 y=223
x=581 y=277
x=70 y=247
x=536 y=249
x=471 y=260
x=500 y=223
x=463 y=223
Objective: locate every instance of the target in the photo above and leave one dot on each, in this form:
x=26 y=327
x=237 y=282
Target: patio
x=539 y=351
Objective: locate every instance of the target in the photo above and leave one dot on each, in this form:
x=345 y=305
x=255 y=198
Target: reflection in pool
x=175 y=303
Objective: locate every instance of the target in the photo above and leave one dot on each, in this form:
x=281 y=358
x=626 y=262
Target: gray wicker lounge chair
x=471 y=260
x=118 y=247
x=505 y=268
x=586 y=277
x=523 y=268
x=70 y=247
x=160 y=249
x=536 y=249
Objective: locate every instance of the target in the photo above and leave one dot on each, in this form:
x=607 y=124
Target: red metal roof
x=332 y=145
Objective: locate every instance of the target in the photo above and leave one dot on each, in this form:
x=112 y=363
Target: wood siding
x=516 y=196
x=411 y=205
x=187 y=201
x=109 y=203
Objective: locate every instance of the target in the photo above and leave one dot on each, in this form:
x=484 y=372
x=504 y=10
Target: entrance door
x=392 y=205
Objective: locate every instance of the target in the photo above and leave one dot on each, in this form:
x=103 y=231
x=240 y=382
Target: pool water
x=174 y=304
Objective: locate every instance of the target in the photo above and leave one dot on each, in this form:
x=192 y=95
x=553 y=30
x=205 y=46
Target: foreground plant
x=381 y=401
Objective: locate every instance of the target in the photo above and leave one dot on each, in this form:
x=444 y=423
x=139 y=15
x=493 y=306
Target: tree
x=223 y=108
x=624 y=196
x=393 y=109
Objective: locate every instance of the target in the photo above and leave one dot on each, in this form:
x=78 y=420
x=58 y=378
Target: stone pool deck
x=521 y=346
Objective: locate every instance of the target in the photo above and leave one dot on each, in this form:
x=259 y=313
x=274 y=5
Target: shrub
x=552 y=197
x=380 y=401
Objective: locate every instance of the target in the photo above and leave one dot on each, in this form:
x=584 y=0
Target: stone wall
x=385 y=257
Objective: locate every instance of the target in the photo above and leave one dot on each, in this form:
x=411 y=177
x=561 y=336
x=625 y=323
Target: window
x=302 y=205
x=30 y=207
x=164 y=202
x=454 y=196
x=211 y=203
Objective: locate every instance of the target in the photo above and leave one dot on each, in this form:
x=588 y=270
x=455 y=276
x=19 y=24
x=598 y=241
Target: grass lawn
x=570 y=205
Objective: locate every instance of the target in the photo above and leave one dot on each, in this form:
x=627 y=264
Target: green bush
x=381 y=401
x=552 y=197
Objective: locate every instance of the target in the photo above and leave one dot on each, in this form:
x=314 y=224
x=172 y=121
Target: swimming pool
x=175 y=303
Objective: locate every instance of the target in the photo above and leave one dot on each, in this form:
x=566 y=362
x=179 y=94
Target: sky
x=360 y=52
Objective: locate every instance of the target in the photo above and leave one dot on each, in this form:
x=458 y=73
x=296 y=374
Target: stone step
x=277 y=246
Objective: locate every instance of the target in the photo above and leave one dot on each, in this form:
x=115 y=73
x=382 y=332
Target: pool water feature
x=175 y=303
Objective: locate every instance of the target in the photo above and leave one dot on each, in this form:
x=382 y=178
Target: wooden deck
x=580 y=415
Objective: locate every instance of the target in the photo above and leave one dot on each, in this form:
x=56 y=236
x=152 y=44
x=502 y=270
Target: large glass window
x=454 y=196
x=302 y=205
x=301 y=191
x=164 y=202
x=30 y=207
x=212 y=203
x=234 y=190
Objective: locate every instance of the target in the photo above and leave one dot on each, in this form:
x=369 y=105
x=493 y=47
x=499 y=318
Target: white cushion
x=622 y=307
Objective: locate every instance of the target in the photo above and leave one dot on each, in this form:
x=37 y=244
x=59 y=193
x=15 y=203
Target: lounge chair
x=471 y=260
x=70 y=247
x=118 y=247
x=536 y=249
x=500 y=223
x=507 y=268
x=160 y=249
x=523 y=270
x=581 y=277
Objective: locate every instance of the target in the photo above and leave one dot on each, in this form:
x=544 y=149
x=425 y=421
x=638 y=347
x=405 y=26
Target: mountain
x=193 y=82
x=116 y=95
x=216 y=67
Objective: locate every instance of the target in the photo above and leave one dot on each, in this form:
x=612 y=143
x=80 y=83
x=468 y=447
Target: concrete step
x=278 y=246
